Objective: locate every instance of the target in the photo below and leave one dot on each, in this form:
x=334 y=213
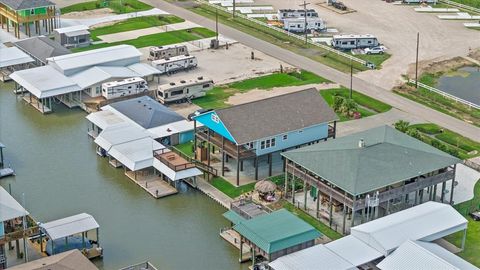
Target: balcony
x=173 y=160
x=12 y=15
x=229 y=147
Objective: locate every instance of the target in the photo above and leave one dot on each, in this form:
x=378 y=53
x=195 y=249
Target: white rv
x=296 y=13
x=346 y=42
x=174 y=64
x=127 y=87
x=298 y=24
x=163 y=52
x=183 y=91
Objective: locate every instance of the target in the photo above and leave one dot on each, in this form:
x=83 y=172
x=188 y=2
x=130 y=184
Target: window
x=206 y=85
x=249 y=145
x=32 y=11
x=160 y=93
x=178 y=92
x=267 y=143
x=300 y=131
x=97 y=90
x=273 y=142
x=352 y=42
x=369 y=42
x=262 y=145
x=285 y=137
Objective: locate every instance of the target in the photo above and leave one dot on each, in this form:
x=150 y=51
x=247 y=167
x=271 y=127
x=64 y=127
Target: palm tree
x=402 y=126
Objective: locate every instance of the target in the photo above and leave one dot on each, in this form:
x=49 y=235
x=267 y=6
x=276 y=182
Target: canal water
x=61 y=175
x=463 y=83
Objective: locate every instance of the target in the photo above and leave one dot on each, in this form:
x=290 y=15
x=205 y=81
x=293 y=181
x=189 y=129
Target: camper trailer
x=163 y=52
x=347 y=42
x=296 y=13
x=174 y=64
x=182 y=91
x=298 y=24
x=127 y=87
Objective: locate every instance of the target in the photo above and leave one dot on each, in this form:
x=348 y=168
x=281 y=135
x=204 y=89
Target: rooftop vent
x=172 y=83
x=183 y=81
x=361 y=143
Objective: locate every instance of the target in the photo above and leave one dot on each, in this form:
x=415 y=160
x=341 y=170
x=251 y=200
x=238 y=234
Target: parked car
x=475 y=215
x=197 y=113
x=339 y=5
x=375 y=50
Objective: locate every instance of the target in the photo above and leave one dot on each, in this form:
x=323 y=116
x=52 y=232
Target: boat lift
x=4 y=172
x=71 y=233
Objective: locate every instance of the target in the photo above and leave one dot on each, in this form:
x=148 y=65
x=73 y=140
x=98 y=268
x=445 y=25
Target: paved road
x=360 y=85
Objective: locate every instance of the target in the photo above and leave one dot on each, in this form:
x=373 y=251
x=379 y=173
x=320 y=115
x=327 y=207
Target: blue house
x=261 y=128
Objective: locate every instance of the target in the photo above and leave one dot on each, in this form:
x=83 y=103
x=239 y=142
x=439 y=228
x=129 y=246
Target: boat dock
x=233 y=238
x=153 y=184
x=4 y=172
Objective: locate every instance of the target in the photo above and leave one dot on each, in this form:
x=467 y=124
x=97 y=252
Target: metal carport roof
x=72 y=225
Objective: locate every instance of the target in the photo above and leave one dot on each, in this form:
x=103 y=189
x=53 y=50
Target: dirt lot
x=225 y=66
x=396 y=27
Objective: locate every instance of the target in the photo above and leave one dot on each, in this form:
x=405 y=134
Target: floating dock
x=6 y=172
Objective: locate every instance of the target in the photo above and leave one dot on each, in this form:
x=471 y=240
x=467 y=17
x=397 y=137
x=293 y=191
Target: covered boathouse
x=262 y=129
x=369 y=174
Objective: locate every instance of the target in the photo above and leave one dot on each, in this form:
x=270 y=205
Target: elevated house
x=27 y=13
x=12 y=59
x=75 y=79
x=402 y=240
x=370 y=174
x=263 y=128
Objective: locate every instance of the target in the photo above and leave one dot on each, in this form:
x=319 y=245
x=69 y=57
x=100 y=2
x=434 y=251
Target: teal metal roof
x=388 y=157
x=233 y=217
x=276 y=231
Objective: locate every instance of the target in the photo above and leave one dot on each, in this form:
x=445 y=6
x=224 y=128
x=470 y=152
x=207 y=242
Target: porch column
x=344 y=212
x=318 y=202
x=241 y=251
x=270 y=161
x=223 y=156
x=238 y=166
x=255 y=163
x=353 y=210
x=286 y=178
x=330 y=215
x=453 y=184
x=293 y=185
x=434 y=195
x=464 y=238
x=334 y=129
x=195 y=139
x=305 y=190
x=442 y=196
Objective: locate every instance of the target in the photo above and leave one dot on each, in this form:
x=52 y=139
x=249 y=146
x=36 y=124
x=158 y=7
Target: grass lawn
x=280 y=39
x=472 y=3
x=229 y=189
x=186 y=148
x=472 y=243
x=159 y=39
x=368 y=106
x=217 y=97
x=134 y=24
x=377 y=59
x=463 y=147
x=117 y=6
x=321 y=227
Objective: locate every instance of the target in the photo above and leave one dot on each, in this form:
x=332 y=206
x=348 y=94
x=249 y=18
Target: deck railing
x=166 y=156
x=140 y=266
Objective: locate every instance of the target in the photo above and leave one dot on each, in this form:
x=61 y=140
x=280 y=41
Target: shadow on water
x=61 y=175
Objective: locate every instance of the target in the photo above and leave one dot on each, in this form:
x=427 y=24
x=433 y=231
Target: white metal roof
x=175 y=176
x=13 y=56
x=105 y=119
x=9 y=207
x=317 y=257
x=45 y=81
x=137 y=154
x=71 y=29
x=353 y=36
x=119 y=134
x=64 y=227
x=349 y=246
x=77 y=33
x=172 y=128
x=143 y=70
x=100 y=74
x=418 y=255
x=101 y=56
x=428 y=221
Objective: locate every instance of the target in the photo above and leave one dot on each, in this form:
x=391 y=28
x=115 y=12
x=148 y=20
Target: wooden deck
x=152 y=184
x=173 y=160
x=233 y=238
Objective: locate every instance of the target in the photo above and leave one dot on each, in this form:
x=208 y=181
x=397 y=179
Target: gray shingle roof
x=147 y=112
x=389 y=156
x=26 y=4
x=276 y=115
x=41 y=47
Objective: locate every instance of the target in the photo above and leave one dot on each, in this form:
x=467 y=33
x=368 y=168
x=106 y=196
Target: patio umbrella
x=265 y=186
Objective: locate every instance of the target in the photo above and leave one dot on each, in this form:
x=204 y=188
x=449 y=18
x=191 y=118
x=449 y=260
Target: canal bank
x=61 y=175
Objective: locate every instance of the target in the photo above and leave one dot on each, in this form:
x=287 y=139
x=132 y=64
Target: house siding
x=37 y=11
x=186 y=136
x=295 y=138
x=206 y=120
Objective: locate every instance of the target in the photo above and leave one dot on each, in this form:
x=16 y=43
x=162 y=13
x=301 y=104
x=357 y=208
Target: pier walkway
x=213 y=193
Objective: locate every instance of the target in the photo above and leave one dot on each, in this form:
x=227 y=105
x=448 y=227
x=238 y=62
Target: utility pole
x=304 y=5
x=416 y=62
x=216 y=24
x=351 y=79
x=233 y=13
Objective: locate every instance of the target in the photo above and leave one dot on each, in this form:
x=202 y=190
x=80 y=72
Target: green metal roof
x=276 y=231
x=388 y=157
x=233 y=217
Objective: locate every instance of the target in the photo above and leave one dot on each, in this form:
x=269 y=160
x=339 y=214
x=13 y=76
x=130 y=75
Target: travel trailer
x=162 y=52
x=183 y=91
x=346 y=42
x=296 y=13
x=174 y=64
x=127 y=87
x=298 y=24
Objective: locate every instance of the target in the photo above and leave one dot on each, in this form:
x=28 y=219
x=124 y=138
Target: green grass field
x=377 y=59
x=229 y=189
x=159 y=39
x=368 y=106
x=117 y=6
x=134 y=24
x=472 y=243
x=216 y=98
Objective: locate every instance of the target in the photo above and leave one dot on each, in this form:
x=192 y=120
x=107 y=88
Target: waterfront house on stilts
x=367 y=175
x=260 y=130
